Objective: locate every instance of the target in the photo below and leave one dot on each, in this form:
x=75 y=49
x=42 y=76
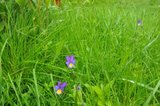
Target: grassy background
x=117 y=62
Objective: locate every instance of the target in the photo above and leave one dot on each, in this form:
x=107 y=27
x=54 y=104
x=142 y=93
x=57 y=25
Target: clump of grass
x=117 y=61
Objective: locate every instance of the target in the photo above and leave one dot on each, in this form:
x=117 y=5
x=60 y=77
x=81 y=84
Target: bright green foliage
x=77 y=96
x=101 y=93
x=21 y=2
x=3 y=16
x=47 y=2
x=117 y=61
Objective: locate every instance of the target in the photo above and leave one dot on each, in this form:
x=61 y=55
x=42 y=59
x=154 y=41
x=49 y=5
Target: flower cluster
x=70 y=62
x=60 y=87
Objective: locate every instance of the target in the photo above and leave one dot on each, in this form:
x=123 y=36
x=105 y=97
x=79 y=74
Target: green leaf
x=21 y=2
x=100 y=103
x=108 y=103
x=1 y=26
x=47 y=2
x=98 y=91
x=58 y=49
x=79 y=97
x=2 y=7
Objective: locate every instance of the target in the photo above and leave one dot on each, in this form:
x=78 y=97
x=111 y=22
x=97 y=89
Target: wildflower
x=70 y=61
x=139 y=22
x=60 y=87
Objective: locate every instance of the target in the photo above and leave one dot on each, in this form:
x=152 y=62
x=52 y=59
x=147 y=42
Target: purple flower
x=60 y=87
x=70 y=61
x=139 y=22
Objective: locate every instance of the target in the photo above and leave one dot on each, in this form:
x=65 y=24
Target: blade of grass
x=152 y=94
x=140 y=84
x=13 y=86
x=36 y=86
x=1 y=61
x=150 y=43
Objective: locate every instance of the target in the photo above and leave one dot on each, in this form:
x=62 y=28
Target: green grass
x=117 y=62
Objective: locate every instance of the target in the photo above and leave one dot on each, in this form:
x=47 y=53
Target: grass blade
x=1 y=62
x=13 y=86
x=152 y=94
x=36 y=86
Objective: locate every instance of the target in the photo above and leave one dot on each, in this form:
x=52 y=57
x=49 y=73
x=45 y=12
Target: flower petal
x=67 y=58
x=74 y=61
x=59 y=83
x=70 y=65
x=72 y=57
x=67 y=63
x=56 y=87
x=63 y=85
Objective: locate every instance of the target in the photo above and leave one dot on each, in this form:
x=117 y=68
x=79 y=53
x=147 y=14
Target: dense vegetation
x=117 y=59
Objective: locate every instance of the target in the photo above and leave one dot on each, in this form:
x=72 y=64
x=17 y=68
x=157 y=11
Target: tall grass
x=117 y=61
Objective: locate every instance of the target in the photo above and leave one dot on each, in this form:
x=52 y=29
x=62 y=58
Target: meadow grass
x=117 y=61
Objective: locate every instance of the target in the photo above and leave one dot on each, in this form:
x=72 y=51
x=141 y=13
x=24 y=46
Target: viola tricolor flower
x=60 y=87
x=70 y=61
x=139 y=22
